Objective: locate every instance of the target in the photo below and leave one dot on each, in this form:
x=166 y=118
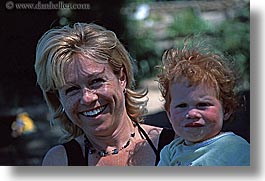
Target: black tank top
x=75 y=156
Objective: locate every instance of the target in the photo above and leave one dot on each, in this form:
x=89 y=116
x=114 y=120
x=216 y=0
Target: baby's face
x=195 y=112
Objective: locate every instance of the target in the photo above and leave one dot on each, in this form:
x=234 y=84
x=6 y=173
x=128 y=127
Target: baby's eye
x=203 y=105
x=183 y=105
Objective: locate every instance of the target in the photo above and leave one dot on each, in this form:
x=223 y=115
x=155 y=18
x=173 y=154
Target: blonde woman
x=87 y=80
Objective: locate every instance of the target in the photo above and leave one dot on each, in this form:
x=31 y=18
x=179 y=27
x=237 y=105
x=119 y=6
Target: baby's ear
x=168 y=114
x=227 y=114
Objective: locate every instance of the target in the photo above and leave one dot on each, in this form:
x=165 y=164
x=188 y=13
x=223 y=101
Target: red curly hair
x=198 y=65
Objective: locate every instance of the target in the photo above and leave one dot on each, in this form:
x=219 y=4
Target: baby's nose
x=193 y=113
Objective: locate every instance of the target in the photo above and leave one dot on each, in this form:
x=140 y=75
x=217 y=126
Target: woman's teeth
x=94 y=112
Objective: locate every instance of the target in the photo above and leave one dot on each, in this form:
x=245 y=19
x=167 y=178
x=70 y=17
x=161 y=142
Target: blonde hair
x=57 y=47
x=198 y=64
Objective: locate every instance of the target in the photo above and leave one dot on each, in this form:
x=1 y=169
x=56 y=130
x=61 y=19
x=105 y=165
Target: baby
x=198 y=88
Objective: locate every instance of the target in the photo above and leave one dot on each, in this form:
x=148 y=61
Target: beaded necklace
x=89 y=149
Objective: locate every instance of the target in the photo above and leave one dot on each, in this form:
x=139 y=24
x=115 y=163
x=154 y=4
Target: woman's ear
x=123 y=78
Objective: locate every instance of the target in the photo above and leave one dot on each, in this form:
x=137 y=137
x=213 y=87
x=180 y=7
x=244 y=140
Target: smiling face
x=93 y=96
x=195 y=112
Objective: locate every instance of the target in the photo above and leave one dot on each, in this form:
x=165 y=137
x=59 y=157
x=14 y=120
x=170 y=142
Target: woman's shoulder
x=152 y=131
x=56 y=156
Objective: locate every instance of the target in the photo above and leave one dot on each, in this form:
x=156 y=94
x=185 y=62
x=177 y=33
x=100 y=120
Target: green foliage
x=231 y=37
x=186 y=22
x=234 y=39
x=143 y=48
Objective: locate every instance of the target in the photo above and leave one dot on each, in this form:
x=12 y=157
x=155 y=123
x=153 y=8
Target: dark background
x=20 y=31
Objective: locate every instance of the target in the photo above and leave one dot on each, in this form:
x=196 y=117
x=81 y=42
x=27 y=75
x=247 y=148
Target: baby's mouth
x=95 y=112
x=194 y=124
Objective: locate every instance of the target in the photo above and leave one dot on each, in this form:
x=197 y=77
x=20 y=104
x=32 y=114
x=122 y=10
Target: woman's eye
x=71 y=90
x=97 y=82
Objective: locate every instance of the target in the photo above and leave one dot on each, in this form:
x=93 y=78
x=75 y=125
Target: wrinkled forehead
x=81 y=66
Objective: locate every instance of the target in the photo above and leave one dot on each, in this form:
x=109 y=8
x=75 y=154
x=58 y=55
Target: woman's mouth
x=94 y=112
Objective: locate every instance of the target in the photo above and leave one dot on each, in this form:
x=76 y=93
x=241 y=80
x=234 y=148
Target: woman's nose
x=88 y=96
x=193 y=113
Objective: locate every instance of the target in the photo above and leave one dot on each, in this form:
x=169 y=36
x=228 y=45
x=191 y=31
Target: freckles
x=71 y=106
x=73 y=117
x=78 y=122
x=174 y=120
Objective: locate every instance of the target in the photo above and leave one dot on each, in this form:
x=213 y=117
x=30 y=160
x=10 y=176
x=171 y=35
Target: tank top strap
x=74 y=153
x=166 y=136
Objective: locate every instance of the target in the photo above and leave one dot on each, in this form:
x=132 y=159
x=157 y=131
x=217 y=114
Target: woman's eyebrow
x=96 y=72
x=88 y=75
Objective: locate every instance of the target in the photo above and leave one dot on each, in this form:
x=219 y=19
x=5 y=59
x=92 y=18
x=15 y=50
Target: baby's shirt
x=226 y=149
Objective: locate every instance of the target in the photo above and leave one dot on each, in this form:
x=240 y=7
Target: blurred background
x=145 y=27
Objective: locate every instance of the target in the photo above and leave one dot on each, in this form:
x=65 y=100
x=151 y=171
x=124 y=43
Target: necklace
x=89 y=149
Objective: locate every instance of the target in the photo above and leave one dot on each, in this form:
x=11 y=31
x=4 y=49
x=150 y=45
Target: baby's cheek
x=175 y=122
x=215 y=116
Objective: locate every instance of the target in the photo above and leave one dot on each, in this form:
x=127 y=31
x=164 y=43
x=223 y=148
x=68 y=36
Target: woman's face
x=93 y=96
x=195 y=112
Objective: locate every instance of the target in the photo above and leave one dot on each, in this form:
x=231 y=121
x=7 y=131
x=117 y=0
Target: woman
x=86 y=76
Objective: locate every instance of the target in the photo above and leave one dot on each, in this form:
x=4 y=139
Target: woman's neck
x=115 y=139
